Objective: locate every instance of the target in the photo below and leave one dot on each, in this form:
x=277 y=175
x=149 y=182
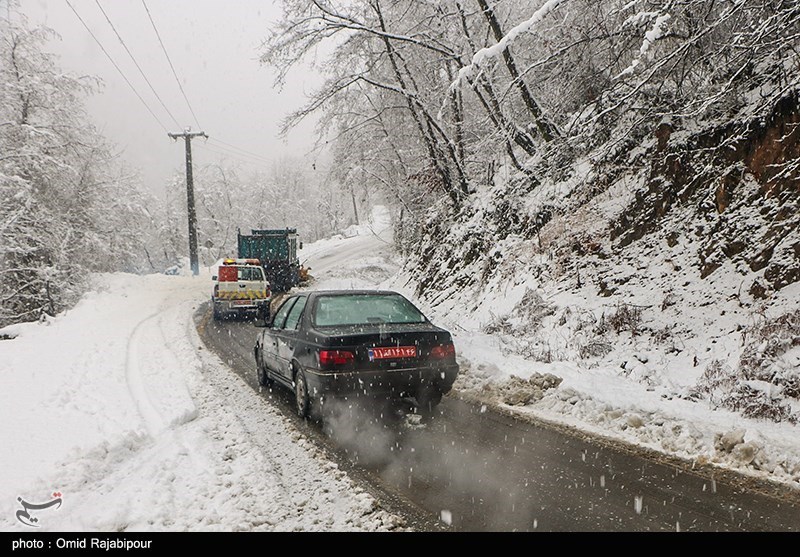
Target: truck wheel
x=217 y=313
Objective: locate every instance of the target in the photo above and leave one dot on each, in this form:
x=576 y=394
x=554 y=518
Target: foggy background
x=213 y=47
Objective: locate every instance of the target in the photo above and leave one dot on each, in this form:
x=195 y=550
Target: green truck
x=276 y=249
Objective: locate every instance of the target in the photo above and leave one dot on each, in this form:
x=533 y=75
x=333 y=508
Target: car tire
x=261 y=373
x=301 y=396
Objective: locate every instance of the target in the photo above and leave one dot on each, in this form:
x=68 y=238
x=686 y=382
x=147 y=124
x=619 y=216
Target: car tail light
x=443 y=351
x=336 y=357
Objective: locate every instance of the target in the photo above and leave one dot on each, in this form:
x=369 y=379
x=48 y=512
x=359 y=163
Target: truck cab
x=240 y=288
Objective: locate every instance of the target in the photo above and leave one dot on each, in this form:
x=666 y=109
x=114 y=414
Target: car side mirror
x=214 y=277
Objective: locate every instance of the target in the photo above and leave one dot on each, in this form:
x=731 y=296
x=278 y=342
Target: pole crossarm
x=187 y=135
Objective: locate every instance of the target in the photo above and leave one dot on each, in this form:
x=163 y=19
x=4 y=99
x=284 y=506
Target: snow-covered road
x=117 y=406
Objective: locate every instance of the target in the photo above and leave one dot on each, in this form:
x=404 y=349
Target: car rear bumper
x=240 y=305
x=394 y=383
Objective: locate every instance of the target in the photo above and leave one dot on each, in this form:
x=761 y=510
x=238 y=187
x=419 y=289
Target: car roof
x=359 y=292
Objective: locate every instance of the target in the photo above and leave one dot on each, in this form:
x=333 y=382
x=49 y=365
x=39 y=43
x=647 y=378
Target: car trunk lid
x=391 y=346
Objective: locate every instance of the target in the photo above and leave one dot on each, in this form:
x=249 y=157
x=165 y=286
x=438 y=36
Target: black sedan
x=355 y=343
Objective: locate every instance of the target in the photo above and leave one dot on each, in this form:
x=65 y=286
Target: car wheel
x=261 y=373
x=301 y=396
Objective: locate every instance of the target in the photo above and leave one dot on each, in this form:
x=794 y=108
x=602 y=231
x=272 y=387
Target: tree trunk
x=546 y=129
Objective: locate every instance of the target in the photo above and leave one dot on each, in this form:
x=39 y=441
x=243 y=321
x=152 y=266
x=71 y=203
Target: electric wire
x=125 y=46
x=244 y=152
x=232 y=154
x=150 y=110
x=224 y=148
x=172 y=67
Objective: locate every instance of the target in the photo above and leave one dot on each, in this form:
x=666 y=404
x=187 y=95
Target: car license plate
x=392 y=352
x=242 y=303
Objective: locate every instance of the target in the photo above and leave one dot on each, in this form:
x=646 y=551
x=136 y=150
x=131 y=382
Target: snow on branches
x=484 y=55
x=656 y=31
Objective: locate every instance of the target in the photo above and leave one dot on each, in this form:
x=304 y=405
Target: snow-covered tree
x=66 y=208
x=431 y=100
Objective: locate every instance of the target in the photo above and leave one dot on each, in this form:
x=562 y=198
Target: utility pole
x=188 y=136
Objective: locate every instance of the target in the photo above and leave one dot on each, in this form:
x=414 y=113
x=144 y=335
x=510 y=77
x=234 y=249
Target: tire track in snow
x=156 y=376
x=169 y=360
x=153 y=419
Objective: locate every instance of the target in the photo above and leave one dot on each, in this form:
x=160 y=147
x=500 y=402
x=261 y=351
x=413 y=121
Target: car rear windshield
x=251 y=273
x=365 y=309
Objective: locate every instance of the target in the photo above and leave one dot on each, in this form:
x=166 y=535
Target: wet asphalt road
x=473 y=469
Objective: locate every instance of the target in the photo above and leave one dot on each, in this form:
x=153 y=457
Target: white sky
x=213 y=46
x=140 y=414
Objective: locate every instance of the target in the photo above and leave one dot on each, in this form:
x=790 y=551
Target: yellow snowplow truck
x=240 y=288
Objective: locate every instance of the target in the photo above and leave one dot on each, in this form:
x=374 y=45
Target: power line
x=136 y=63
x=243 y=151
x=239 y=156
x=153 y=114
x=232 y=154
x=263 y=163
x=163 y=48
